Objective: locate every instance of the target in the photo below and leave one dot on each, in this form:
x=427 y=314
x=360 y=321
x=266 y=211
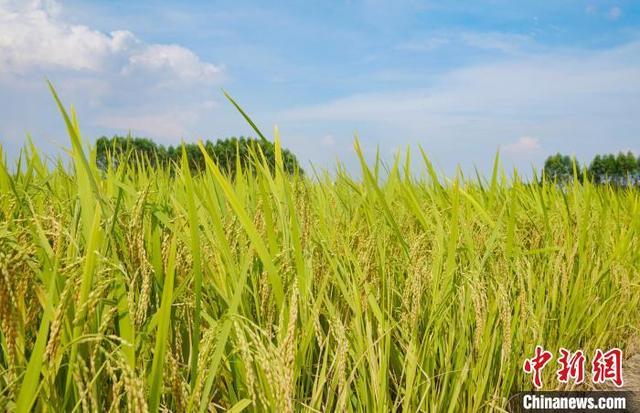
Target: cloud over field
x=35 y=36
x=524 y=145
x=568 y=99
x=127 y=83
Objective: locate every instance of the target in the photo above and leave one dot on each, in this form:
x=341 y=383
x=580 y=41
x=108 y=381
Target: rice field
x=140 y=289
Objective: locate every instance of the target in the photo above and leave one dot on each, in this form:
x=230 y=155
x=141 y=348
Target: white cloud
x=177 y=60
x=328 y=141
x=155 y=89
x=424 y=45
x=210 y=104
x=35 y=37
x=525 y=86
x=568 y=99
x=504 y=42
x=614 y=13
x=524 y=145
x=490 y=41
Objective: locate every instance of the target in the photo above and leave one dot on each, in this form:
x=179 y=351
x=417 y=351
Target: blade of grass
x=162 y=333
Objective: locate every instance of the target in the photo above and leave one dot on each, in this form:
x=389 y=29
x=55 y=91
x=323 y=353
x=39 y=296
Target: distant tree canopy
x=225 y=152
x=558 y=168
x=621 y=169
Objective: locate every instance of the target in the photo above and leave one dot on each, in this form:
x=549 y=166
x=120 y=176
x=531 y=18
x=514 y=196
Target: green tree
x=558 y=168
x=118 y=149
x=619 y=170
x=627 y=167
x=610 y=168
x=597 y=170
x=227 y=153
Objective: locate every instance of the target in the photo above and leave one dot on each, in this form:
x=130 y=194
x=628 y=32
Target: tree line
x=618 y=170
x=227 y=153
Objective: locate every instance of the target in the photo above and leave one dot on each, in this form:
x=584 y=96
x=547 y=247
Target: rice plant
x=155 y=289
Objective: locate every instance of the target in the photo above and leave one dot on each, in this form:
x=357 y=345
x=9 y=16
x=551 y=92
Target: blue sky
x=461 y=79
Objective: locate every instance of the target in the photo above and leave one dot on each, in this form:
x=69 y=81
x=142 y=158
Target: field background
x=146 y=289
